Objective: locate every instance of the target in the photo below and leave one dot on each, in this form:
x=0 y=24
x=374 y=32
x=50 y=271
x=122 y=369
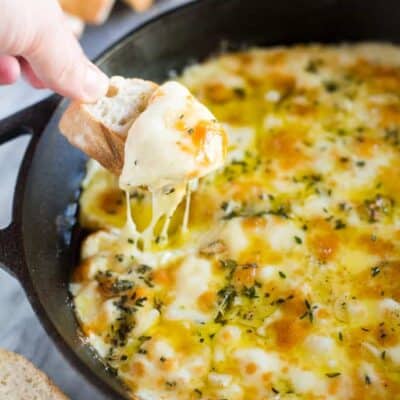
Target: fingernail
x=95 y=85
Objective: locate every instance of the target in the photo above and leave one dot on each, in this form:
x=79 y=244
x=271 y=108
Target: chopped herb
x=367 y=380
x=276 y=391
x=226 y=297
x=143 y=268
x=170 y=384
x=360 y=164
x=332 y=374
x=131 y=241
x=124 y=357
x=163 y=359
x=122 y=285
x=119 y=257
x=340 y=335
x=228 y=264
x=198 y=392
x=298 y=240
x=331 y=86
x=169 y=190
x=239 y=92
x=190 y=131
x=339 y=224
x=383 y=355
x=282 y=275
x=312 y=66
x=142 y=351
x=219 y=319
x=143 y=338
x=140 y=301
x=250 y=292
x=158 y=304
x=375 y=271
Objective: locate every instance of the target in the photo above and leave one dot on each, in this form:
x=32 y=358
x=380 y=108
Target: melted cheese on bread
x=174 y=141
x=287 y=284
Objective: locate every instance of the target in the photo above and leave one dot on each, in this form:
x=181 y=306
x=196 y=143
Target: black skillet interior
x=168 y=43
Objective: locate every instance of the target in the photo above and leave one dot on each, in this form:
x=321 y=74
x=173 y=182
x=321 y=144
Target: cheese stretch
x=174 y=141
x=286 y=284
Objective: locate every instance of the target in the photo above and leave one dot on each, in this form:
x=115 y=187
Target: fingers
x=53 y=56
x=29 y=75
x=9 y=70
x=60 y=64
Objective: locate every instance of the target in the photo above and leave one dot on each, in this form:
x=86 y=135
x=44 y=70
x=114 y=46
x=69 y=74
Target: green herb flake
x=298 y=240
x=282 y=275
x=333 y=374
x=360 y=164
x=331 y=86
x=339 y=224
x=375 y=271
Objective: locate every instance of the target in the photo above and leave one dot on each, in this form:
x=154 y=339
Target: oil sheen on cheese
x=286 y=283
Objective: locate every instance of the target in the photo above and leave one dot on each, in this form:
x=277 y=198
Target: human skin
x=36 y=42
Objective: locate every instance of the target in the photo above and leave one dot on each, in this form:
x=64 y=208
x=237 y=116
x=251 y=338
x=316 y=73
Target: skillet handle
x=31 y=120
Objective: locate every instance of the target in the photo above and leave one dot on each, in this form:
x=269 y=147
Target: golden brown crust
x=21 y=380
x=93 y=138
x=140 y=5
x=100 y=129
x=91 y=11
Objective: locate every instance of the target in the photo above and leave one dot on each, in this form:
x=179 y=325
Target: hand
x=35 y=41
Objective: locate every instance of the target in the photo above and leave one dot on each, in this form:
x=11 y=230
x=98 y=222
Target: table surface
x=20 y=330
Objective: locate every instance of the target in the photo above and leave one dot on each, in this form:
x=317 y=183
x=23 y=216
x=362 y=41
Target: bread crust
x=99 y=141
x=140 y=5
x=93 y=138
x=21 y=380
x=91 y=11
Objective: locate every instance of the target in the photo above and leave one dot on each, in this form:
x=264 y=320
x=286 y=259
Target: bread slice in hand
x=91 y=11
x=100 y=129
x=21 y=380
x=140 y=5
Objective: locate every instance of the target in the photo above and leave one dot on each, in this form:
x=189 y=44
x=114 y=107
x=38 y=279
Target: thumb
x=58 y=61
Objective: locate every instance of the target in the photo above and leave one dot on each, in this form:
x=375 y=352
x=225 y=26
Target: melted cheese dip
x=287 y=284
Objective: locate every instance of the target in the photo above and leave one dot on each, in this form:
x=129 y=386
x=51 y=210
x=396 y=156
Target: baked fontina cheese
x=286 y=284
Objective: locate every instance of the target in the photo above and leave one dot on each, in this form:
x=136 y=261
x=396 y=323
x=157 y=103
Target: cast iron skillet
x=36 y=247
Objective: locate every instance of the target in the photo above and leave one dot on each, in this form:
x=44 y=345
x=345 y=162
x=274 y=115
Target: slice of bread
x=140 y=5
x=100 y=129
x=21 y=380
x=91 y=11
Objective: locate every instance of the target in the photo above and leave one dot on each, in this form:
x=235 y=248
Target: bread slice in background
x=100 y=129
x=21 y=380
x=140 y=5
x=91 y=11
